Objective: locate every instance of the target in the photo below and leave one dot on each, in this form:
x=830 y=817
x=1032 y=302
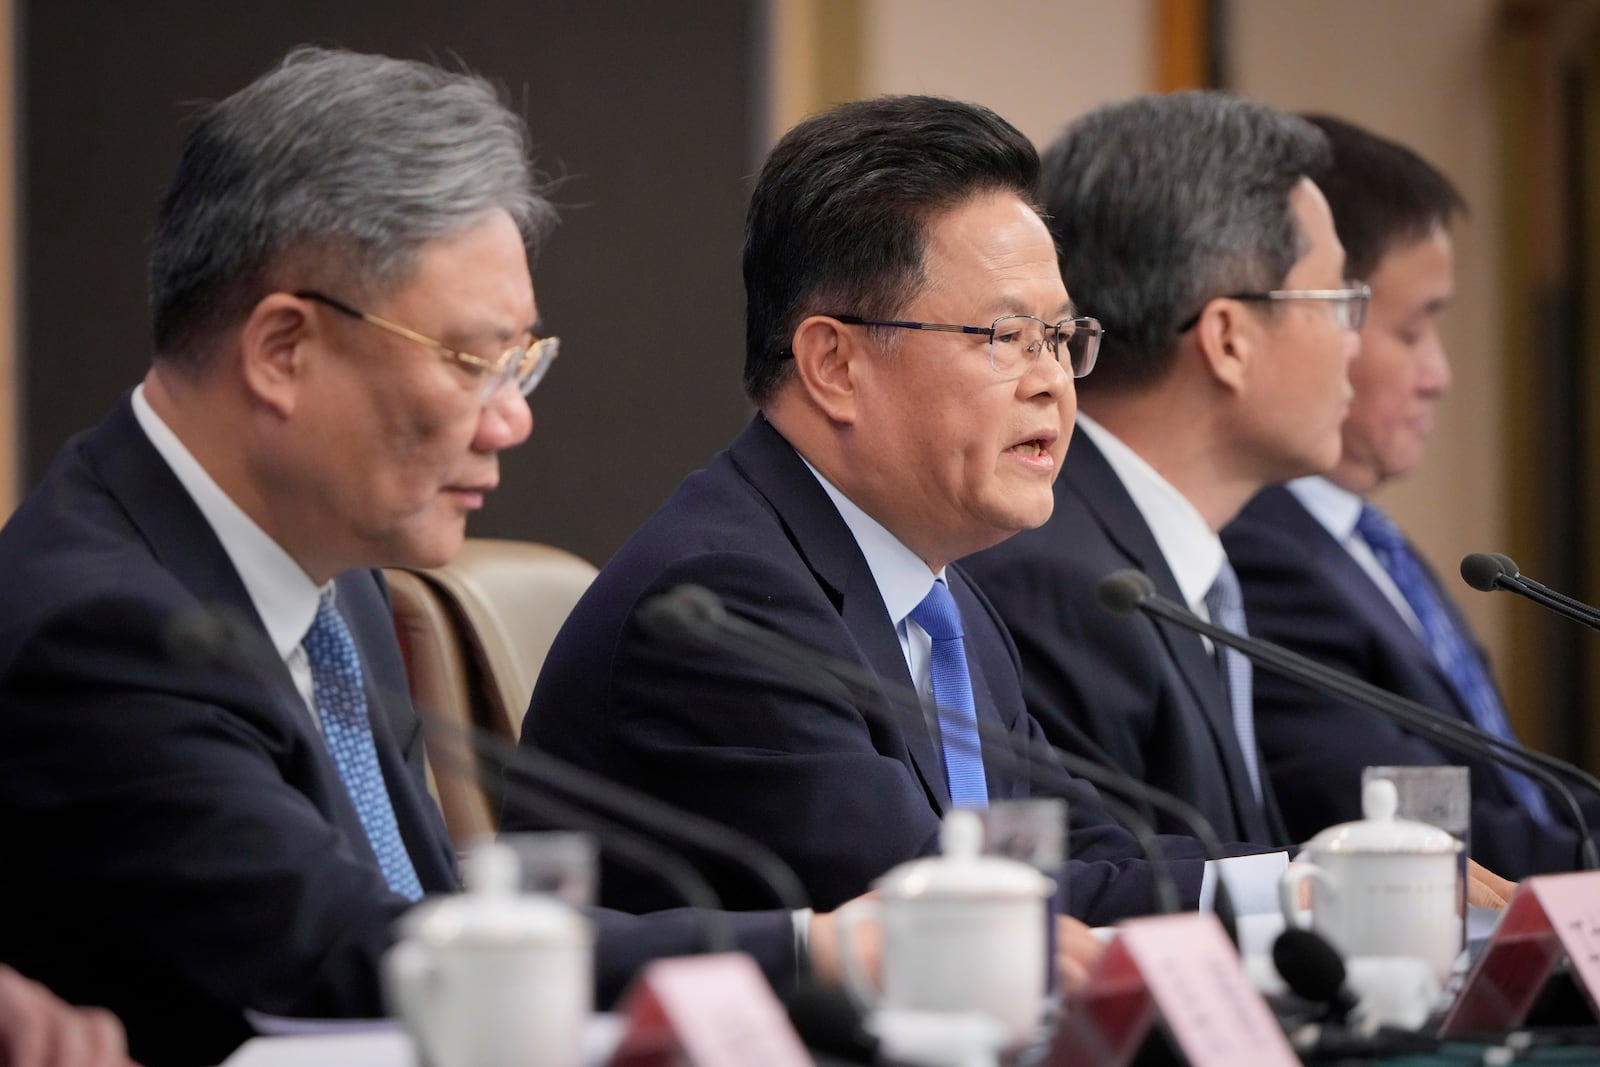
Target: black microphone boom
x=1131 y=591
x=693 y=613
x=1488 y=571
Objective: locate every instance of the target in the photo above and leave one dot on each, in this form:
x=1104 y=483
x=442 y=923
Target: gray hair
x=1162 y=203
x=337 y=168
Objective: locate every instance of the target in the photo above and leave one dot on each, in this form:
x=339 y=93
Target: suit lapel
x=182 y=540
x=1092 y=478
x=777 y=472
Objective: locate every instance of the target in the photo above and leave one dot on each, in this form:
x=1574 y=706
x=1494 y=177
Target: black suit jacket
x=1145 y=696
x=840 y=794
x=182 y=847
x=1304 y=590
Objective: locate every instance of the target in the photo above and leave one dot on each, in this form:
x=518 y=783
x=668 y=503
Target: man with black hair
x=912 y=352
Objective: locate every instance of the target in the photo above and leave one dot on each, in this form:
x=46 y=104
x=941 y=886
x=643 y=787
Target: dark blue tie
x=1226 y=605
x=341 y=701
x=952 y=693
x=1455 y=654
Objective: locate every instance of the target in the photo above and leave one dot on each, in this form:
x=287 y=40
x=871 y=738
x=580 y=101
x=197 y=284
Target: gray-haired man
x=345 y=331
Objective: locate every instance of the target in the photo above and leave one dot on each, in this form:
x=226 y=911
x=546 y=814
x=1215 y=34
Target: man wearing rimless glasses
x=913 y=356
x=1188 y=225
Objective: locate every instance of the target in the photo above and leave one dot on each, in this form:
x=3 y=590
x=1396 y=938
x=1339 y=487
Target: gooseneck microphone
x=1311 y=967
x=696 y=614
x=1489 y=571
x=1127 y=591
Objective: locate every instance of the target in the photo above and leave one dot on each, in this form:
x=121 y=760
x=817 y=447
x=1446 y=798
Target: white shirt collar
x=1337 y=509
x=1191 y=547
x=283 y=595
x=903 y=578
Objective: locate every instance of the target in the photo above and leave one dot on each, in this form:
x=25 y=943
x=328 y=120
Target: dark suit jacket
x=182 y=847
x=840 y=794
x=1303 y=590
x=1145 y=696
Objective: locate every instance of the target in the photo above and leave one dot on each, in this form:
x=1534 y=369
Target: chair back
x=476 y=632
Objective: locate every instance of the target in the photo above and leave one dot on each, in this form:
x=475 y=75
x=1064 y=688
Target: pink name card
x=1551 y=917
x=713 y=1011
x=1180 y=970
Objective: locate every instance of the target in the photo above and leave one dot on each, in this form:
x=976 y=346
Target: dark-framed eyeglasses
x=1015 y=341
x=523 y=364
x=1349 y=303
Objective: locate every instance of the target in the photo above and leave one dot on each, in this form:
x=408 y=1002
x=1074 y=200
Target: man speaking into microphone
x=912 y=352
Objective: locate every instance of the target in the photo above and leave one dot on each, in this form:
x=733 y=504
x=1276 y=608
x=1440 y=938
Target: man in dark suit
x=342 y=305
x=911 y=349
x=1318 y=561
x=1189 y=225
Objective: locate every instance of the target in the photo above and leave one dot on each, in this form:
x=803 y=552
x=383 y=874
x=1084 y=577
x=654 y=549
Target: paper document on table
x=366 y=1048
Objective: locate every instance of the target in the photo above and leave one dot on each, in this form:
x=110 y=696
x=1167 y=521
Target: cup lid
x=1381 y=831
x=492 y=913
x=962 y=870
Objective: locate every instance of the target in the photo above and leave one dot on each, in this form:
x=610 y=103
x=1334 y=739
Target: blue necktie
x=952 y=693
x=1226 y=605
x=341 y=701
x=1453 y=652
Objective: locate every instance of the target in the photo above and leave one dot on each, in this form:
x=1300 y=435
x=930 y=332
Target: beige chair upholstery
x=475 y=633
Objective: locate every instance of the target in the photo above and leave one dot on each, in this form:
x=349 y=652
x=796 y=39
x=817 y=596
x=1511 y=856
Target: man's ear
x=827 y=361
x=275 y=349
x=1229 y=337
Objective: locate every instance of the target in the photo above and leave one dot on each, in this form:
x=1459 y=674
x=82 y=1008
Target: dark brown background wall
x=647 y=107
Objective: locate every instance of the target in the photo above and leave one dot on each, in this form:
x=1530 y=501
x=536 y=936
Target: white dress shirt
x=903 y=580
x=1337 y=510
x=283 y=594
x=1192 y=549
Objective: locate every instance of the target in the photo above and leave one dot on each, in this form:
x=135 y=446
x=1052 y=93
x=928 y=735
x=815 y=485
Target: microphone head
x=829 y=1022
x=1510 y=565
x=1121 y=592
x=204 y=636
x=1310 y=966
x=1484 y=570
x=686 y=610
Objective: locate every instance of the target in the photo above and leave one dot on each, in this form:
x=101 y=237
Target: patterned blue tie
x=341 y=701
x=1226 y=605
x=1454 y=653
x=952 y=693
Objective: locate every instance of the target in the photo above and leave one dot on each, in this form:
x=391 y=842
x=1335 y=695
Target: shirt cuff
x=801 y=918
x=1252 y=881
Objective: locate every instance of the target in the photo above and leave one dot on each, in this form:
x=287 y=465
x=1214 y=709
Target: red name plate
x=713 y=1011
x=1180 y=970
x=1551 y=917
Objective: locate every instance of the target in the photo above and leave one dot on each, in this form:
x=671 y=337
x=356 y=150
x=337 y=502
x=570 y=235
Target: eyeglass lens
x=1018 y=340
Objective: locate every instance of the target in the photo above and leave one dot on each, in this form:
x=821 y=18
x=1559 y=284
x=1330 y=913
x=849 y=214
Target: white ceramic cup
x=1382 y=886
x=491 y=978
x=960 y=932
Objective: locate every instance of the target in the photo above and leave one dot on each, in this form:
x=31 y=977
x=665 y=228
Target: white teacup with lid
x=961 y=932
x=1381 y=886
x=492 y=977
